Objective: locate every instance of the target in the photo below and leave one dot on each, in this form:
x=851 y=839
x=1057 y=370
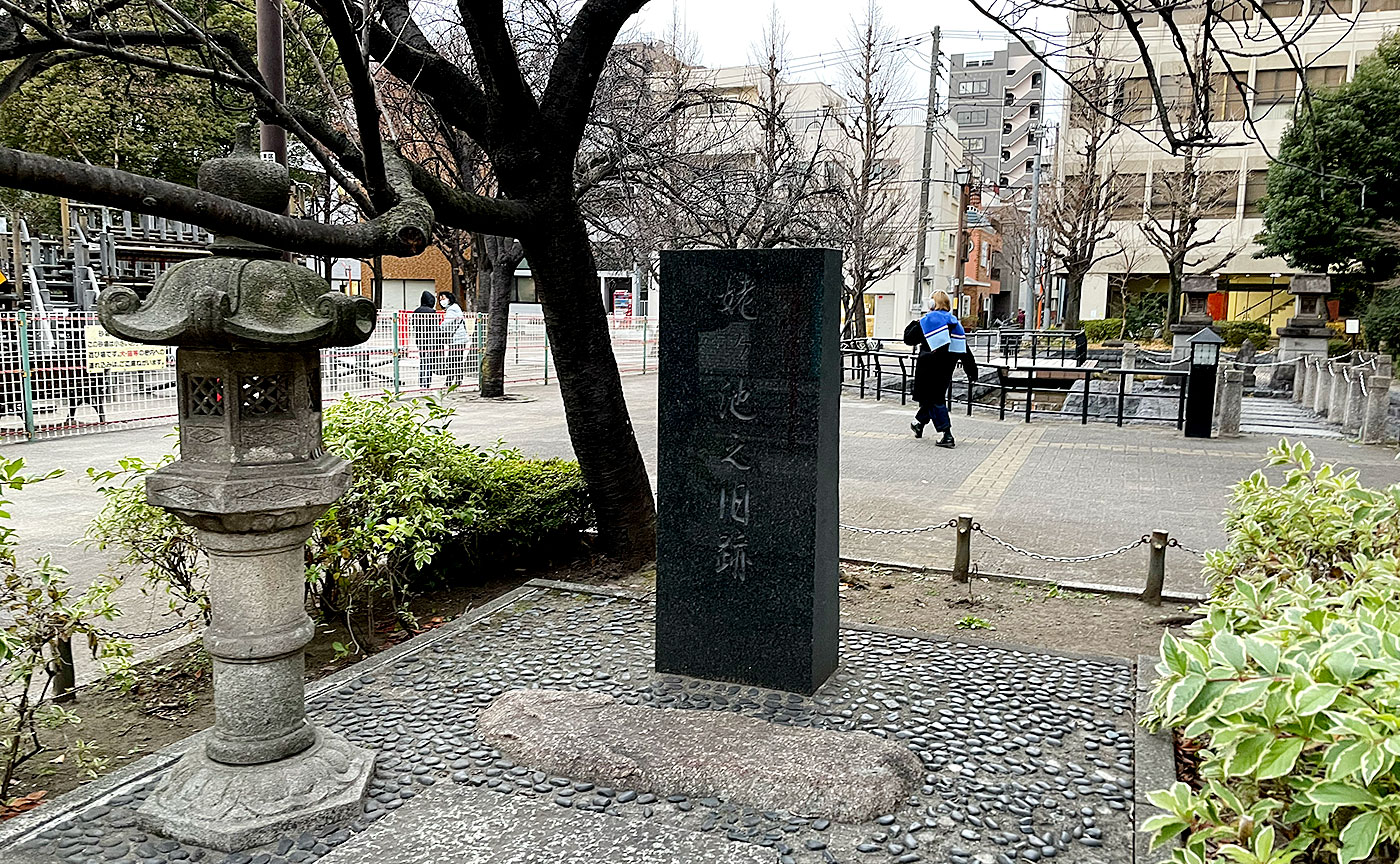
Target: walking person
x=425 y=339
x=454 y=329
x=942 y=346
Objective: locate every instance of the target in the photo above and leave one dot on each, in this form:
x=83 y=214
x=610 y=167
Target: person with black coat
x=426 y=339
x=942 y=347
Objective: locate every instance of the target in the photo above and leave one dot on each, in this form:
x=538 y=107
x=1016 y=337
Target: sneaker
x=946 y=440
x=918 y=429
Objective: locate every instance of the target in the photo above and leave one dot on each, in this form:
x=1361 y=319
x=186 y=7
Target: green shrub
x=415 y=491
x=1235 y=332
x=1098 y=332
x=1381 y=320
x=1292 y=681
x=1144 y=315
x=524 y=506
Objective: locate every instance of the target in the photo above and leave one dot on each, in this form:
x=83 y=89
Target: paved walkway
x=1052 y=487
x=1026 y=755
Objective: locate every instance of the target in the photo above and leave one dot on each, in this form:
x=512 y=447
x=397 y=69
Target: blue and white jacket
x=942 y=328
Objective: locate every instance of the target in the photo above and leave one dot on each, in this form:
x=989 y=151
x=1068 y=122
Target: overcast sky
x=726 y=29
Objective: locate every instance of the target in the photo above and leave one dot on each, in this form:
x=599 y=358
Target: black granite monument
x=747 y=489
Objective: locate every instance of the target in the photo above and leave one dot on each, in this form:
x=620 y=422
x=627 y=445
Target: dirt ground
x=173 y=698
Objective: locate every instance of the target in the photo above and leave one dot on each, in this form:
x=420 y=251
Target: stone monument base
x=234 y=807
x=590 y=736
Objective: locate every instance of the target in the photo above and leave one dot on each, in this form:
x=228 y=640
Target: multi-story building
x=891 y=302
x=1329 y=47
x=997 y=100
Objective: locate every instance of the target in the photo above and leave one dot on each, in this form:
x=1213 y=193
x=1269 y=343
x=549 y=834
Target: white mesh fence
x=62 y=374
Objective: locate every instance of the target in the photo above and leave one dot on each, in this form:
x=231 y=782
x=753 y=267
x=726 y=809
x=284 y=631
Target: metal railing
x=870 y=365
x=62 y=374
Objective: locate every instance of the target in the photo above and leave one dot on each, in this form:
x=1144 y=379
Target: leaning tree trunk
x=604 y=442
x=505 y=255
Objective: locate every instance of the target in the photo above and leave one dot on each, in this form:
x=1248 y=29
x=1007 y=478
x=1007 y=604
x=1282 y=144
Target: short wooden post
x=963 y=559
x=64 y=682
x=1156 y=568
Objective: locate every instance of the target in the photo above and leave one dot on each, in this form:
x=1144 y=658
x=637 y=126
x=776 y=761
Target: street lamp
x=963 y=177
x=1200 y=387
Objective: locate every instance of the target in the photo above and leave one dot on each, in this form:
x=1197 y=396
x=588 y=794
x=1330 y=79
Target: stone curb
x=1084 y=587
x=1154 y=767
x=17 y=830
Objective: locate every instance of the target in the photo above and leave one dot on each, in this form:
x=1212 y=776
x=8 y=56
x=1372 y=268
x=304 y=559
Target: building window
x=974 y=117
x=1219 y=191
x=1227 y=103
x=1006 y=155
x=1326 y=76
x=974 y=87
x=1127 y=195
x=1256 y=183
x=1380 y=5
x=1233 y=10
x=975 y=145
x=1273 y=87
x=1135 y=101
x=1003 y=181
x=524 y=289
x=1282 y=8
x=1035 y=110
x=1035 y=80
x=1336 y=7
x=1030 y=165
x=1010 y=98
x=1030 y=138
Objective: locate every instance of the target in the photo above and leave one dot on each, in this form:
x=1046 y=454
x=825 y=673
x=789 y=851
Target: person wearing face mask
x=454 y=328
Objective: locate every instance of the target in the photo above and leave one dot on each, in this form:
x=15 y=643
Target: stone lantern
x=1196 y=289
x=252 y=478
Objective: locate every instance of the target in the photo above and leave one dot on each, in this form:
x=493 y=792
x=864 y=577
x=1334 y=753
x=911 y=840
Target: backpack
x=914 y=333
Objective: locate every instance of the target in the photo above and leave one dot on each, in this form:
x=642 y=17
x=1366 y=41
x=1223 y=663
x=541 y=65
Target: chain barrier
x=1173 y=543
x=856 y=529
x=164 y=631
x=1062 y=559
x=1265 y=365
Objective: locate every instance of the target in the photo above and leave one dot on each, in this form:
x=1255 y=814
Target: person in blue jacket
x=942 y=346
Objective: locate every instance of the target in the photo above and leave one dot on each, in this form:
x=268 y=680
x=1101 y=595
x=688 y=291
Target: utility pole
x=1034 y=237
x=273 y=69
x=930 y=122
x=964 y=177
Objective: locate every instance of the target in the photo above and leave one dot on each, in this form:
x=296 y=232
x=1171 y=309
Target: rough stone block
x=845 y=776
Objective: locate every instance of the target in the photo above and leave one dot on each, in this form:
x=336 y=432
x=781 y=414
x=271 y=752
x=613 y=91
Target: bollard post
x=1156 y=568
x=1322 y=388
x=1377 y=409
x=1130 y=358
x=1336 y=394
x=64 y=682
x=1232 y=403
x=1302 y=385
x=1355 y=408
x=963 y=559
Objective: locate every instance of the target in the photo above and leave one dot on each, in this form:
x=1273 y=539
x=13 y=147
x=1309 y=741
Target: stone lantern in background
x=1196 y=289
x=252 y=478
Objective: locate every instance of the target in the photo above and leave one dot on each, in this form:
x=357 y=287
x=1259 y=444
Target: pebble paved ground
x=1050 y=486
x=1027 y=756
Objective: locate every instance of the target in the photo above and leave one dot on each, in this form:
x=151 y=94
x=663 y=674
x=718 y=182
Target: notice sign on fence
x=107 y=353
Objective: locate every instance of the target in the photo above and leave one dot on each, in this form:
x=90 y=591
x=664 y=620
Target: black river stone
x=747 y=497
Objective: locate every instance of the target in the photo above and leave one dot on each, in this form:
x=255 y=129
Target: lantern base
x=234 y=807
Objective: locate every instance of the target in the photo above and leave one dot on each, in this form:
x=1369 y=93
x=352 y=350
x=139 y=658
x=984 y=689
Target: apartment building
x=892 y=301
x=1329 y=36
x=997 y=99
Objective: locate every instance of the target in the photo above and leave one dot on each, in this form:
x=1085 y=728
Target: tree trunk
x=505 y=255
x=1074 y=291
x=1174 y=272
x=605 y=444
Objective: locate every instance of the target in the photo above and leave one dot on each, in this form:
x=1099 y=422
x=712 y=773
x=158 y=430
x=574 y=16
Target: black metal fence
x=1023 y=363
